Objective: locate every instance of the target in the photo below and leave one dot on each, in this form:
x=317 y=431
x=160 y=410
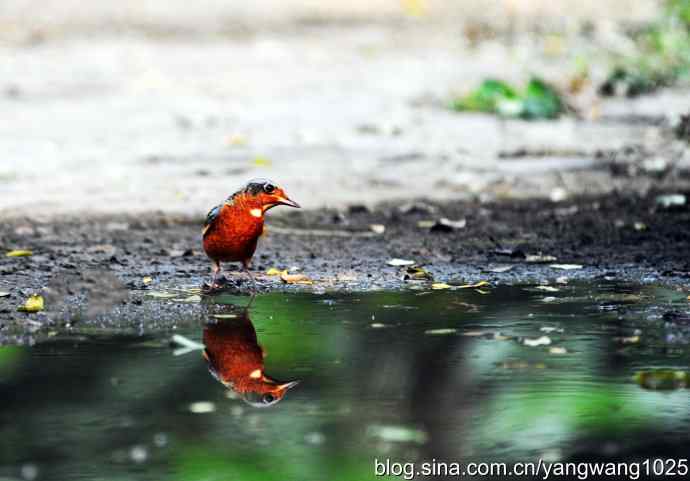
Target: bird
x=235 y=358
x=232 y=229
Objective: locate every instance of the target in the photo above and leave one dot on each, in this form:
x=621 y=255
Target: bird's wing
x=211 y=219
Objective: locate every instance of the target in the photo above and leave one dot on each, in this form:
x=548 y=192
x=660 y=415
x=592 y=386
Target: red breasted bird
x=232 y=228
x=236 y=359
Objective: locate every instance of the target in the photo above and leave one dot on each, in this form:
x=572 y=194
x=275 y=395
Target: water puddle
x=508 y=374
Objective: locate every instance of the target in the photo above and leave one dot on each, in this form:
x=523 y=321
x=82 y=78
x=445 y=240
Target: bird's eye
x=268 y=398
x=269 y=188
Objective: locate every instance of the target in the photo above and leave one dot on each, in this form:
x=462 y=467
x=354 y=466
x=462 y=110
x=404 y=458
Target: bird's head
x=267 y=392
x=264 y=194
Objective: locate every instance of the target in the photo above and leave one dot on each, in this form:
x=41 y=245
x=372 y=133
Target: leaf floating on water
x=440 y=332
x=474 y=286
x=662 y=379
x=440 y=285
x=19 y=253
x=377 y=228
x=535 y=342
x=400 y=262
x=275 y=272
x=538 y=259
x=548 y=288
x=190 y=300
x=398 y=434
x=295 y=278
x=500 y=268
x=33 y=304
x=202 y=407
x=161 y=295
x=566 y=267
x=671 y=200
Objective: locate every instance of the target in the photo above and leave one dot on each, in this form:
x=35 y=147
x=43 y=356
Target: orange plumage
x=232 y=229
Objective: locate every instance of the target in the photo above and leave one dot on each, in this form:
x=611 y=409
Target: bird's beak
x=288 y=385
x=288 y=202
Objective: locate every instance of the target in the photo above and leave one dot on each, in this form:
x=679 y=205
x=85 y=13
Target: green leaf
x=541 y=101
x=487 y=97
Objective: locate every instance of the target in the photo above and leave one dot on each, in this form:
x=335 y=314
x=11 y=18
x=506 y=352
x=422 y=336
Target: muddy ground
x=93 y=274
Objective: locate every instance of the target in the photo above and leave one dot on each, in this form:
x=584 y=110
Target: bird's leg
x=216 y=272
x=245 y=266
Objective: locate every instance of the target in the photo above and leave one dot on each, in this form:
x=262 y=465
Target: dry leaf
x=399 y=262
x=261 y=161
x=437 y=332
x=558 y=350
x=539 y=341
x=628 y=340
x=33 y=304
x=377 y=228
x=474 y=286
x=190 y=300
x=161 y=295
x=19 y=253
x=566 y=267
x=295 y=278
x=500 y=268
x=538 y=258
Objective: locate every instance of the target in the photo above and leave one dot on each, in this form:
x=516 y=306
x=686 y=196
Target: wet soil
x=99 y=273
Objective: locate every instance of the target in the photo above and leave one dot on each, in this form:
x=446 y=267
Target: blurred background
x=131 y=107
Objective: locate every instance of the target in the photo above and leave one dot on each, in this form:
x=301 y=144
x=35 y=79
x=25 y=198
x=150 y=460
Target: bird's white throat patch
x=256 y=212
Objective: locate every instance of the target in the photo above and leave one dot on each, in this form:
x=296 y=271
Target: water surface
x=464 y=375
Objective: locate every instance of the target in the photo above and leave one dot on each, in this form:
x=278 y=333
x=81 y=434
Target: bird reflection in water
x=236 y=360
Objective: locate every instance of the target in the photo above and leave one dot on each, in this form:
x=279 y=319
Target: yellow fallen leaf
x=261 y=161
x=33 y=304
x=440 y=285
x=474 y=286
x=19 y=253
x=295 y=278
x=414 y=8
x=275 y=272
x=236 y=139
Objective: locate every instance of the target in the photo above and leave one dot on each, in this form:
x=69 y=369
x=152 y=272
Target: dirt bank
x=109 y=260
